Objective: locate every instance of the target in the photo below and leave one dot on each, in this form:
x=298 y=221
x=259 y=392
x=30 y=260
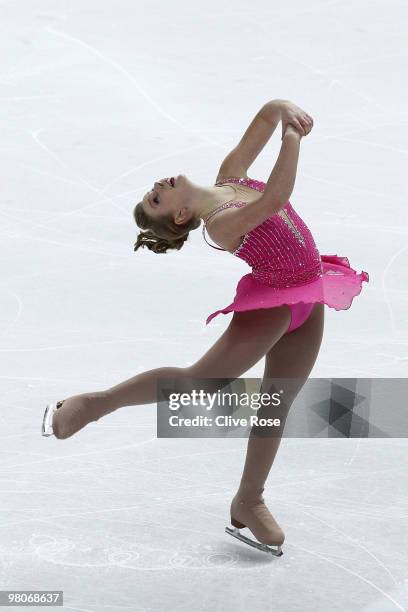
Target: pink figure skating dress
x=286 y=266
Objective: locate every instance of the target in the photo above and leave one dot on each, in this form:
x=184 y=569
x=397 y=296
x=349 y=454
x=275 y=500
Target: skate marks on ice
x=82 y=551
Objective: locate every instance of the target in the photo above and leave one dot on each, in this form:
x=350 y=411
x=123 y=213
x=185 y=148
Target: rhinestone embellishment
x=280 y=254
x=283 y=215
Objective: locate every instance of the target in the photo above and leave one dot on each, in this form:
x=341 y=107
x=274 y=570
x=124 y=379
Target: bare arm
x=277 y=192
x=257 y=134
x=260 y=131
x=281 y=181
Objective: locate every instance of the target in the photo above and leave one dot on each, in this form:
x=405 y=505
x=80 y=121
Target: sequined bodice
x=281 y=250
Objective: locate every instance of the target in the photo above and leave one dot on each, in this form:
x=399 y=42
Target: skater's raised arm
x=281 y=181
x=254 y=139
x=277 y=192
x=259 y=132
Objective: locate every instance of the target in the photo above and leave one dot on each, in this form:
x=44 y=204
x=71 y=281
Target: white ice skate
x=46 y=429
x=273 y=550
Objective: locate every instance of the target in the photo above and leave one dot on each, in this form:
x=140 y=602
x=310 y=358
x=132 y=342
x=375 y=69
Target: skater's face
x=167 y=197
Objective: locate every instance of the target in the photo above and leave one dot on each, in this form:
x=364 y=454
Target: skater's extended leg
x=247 y=339
x=292 y=358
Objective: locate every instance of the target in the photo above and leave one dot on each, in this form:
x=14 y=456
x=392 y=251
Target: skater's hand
x=294 y=115
x=290 y=129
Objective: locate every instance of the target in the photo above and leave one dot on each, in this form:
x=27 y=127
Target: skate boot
x=46 y=429
x=251 y=512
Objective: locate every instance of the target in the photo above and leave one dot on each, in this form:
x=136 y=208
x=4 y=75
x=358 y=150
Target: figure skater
x=278 y=309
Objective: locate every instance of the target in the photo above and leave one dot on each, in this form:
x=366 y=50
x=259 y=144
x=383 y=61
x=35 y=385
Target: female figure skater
x=278 y=309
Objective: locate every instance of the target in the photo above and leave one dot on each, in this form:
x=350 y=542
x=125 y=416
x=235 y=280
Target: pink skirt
x=336 y=287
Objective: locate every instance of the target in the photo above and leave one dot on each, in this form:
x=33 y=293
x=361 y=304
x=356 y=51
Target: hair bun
x=155 y=243
x=161 y=234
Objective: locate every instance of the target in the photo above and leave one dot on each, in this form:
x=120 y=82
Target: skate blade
x=46 y=428
x=273 y=550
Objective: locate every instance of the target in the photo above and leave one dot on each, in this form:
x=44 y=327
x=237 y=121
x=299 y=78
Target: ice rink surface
x=99 y=100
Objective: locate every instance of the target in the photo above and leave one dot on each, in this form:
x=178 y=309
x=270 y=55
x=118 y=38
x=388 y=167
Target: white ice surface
x=99 y=100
